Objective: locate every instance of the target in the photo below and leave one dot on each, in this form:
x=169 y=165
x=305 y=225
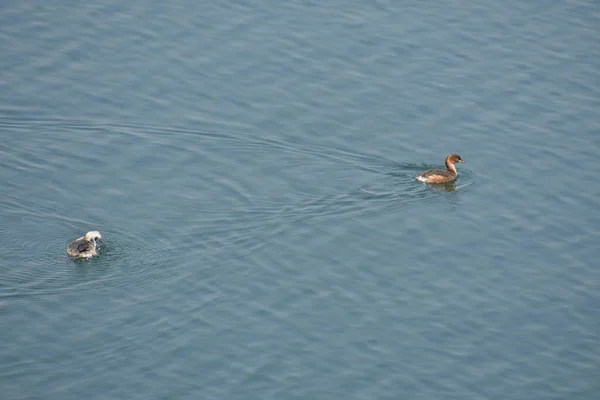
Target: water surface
x=251 y=167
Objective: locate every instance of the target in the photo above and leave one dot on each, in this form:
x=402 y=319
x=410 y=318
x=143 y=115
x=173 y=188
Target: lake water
x=251 y=167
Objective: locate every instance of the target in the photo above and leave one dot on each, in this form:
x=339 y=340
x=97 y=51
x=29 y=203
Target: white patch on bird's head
x=92 y=236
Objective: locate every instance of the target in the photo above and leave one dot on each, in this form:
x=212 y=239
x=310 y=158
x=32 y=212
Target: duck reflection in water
x=447 y=186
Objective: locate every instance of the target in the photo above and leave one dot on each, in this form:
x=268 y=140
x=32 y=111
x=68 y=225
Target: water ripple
x=214 y=187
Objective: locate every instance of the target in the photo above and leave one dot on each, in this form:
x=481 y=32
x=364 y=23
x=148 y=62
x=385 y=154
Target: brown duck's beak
x=461 y=160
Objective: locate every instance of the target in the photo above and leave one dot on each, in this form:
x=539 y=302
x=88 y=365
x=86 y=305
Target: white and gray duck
x=85 y=246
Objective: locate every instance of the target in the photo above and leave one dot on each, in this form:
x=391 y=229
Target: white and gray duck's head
x=93 y=237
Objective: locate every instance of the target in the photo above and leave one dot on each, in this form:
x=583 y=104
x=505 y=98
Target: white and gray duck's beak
x=98 y=240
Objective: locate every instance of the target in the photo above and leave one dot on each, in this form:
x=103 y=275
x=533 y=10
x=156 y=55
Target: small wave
x=136 y=251
x=126 y=257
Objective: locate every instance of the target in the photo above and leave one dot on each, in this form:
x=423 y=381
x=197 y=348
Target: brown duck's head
x=454 y=158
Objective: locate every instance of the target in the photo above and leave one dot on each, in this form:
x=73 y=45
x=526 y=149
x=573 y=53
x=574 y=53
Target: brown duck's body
x=441 y=175
x=85 y=246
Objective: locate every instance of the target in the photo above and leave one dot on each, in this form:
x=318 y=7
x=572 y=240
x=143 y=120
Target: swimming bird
x=85 y=246
x=440 y=175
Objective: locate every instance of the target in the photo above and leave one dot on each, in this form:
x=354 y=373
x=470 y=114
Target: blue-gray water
x=251 y=166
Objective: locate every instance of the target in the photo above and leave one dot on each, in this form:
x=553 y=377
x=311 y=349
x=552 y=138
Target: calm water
x=251 y=166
